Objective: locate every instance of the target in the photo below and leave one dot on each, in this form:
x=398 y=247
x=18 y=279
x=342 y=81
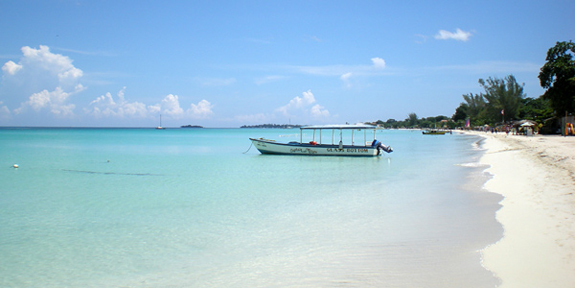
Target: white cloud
x=55 y=101
x=318 y=111
x=11 y=67
x=345 y=78
x=171 y=106
x=53 y=63
x=106 y=106
x=378 y=62
x=298 y=103
x=201 y=110
x=459 y=35
x=308 y=97
x=302 y=107
x=45 y=79
x=4 y=111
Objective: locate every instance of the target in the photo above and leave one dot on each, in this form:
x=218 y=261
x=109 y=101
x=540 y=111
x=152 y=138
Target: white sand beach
x=536 y=176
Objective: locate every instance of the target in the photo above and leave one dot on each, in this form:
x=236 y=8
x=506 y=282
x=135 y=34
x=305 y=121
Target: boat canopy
x=333 y=128
x=347 y=126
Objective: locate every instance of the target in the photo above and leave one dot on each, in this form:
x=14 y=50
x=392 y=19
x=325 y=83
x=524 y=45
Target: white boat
x=160 y=127
x=315 y=148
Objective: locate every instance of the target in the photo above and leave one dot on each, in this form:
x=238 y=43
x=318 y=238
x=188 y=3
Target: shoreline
x=536 y=177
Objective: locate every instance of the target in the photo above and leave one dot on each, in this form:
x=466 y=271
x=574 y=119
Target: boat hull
x=272 y=147
x=435 y=132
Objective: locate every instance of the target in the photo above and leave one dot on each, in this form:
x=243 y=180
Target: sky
x=222 y=64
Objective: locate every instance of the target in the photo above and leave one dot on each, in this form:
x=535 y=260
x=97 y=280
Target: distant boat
x=191 y=126
x=372 y=148
x=160 y=127
x=435 y=132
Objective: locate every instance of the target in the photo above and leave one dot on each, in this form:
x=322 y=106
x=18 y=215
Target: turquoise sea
x=187 y=208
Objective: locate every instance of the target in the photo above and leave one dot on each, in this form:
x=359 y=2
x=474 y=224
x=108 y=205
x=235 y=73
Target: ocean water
x=188 y=208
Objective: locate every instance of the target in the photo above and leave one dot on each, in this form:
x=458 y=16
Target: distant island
x=276 y=126
x=191 y=126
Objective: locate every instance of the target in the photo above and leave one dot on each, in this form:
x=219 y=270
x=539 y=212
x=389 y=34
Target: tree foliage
x=536 y=109
x=557 y=76
x=412 y=119
x=460 y=113
x=474 y=105
x=503 y=97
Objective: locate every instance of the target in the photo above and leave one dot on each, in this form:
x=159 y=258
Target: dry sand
x=536 y=176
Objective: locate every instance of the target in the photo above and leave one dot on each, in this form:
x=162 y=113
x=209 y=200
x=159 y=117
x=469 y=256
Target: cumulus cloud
x=106 y=106
x=56 y=64
x=46 y=80
x=55 y=101
x=298 y=103
x=318 y=111
x=171 y=106
x=458 y=35
x=4 y=111
x=11 y=68
x=301 y=106
x=201 y=110
x=378 y=62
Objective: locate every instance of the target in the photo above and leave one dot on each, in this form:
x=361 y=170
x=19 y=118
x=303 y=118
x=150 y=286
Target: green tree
x=412 y=119
x=536 y=109
x=474 y=107
x=557 y=76
x=460 y=113
x=502 y=96
x=440 y=118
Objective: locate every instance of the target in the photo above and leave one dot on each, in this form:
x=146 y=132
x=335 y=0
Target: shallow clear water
x=187 y=208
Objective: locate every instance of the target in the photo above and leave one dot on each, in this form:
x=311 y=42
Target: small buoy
x=15 y=166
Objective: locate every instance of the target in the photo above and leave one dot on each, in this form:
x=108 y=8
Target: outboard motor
x=380 y=147
x=387 y=149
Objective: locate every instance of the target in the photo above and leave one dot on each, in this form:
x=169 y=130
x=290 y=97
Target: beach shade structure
x=524 y=123
x=525 y=126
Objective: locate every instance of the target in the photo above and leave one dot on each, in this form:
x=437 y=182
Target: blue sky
x=233 y=63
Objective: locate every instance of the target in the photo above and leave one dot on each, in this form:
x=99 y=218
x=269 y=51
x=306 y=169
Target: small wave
x=477 y=145
x=472 y=165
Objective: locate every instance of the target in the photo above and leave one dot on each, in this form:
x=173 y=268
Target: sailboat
x=160 y=127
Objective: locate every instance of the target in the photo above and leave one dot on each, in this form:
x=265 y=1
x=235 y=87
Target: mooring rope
x=249 y=148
